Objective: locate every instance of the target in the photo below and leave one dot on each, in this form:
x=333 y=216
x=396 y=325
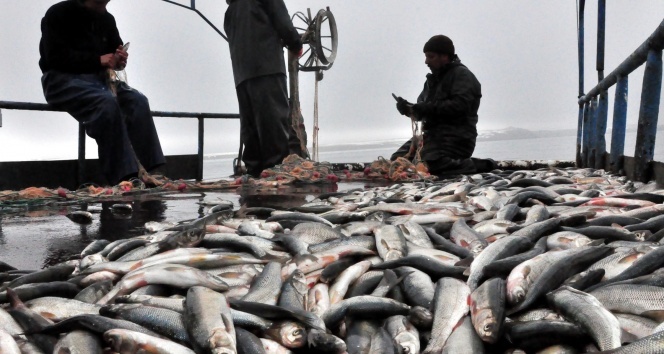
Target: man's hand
x=109 y=61
x=115 y=61
x=420 y=110
x=122 y=56
x=404 y=107
x=297 y=53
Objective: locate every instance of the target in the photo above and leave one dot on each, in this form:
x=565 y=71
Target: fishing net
x=294 y=169
x=297 y=169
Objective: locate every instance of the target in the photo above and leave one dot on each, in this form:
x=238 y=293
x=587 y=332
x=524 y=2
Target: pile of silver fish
x=544 y=261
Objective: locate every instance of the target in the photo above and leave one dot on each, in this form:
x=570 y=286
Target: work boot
x=465 y=167
x=484 y=165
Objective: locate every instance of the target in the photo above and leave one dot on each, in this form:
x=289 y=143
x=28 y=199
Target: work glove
x=404 y=107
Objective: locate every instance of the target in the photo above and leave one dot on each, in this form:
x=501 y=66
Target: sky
x=523 y=52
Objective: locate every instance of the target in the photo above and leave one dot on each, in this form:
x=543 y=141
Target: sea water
x=543 y=148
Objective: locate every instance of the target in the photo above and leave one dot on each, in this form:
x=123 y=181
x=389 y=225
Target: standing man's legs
x=88 y=99
x=264 y=128
x=251 y=155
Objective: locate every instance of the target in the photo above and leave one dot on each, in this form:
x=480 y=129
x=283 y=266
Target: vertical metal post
x=81 y=154
x=579 y=136
x=201 y=136
x=601 y=31
x=0 y=118
x=580 y=125
x=193 y=4
x=580 y=39
x=648 y=112
x=592 y=133
x=600 y=140
x=619 y=124
x=586 y=131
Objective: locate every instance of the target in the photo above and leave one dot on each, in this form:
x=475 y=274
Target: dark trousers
x=116 y=123
x=441 y=160
x=264 y=122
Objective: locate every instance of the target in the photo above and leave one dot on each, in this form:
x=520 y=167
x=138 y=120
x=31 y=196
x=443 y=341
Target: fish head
x=118 y=340
x=393 y=255
x=641 y=235
x=326 y=342
x=476 y=248
x=80 y=217
x=420 y=317
x=487 y=326
x=191 y=237
x=408 y=342
x=299 y=282
x=516 y=295
x=216 y=282
x=90 y=260
x=291 y=334
x=223 y=351
x=221 y=342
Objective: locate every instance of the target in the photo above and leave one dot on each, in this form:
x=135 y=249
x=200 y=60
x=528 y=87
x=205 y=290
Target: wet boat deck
x=35 y=237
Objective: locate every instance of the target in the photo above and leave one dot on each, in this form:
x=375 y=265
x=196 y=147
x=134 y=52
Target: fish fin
x=657 y=315
x=460 y=322
x=241 y=212
x=598 y=242
x=397 y=281
x=626 y=337
x=630 y=258
x=305 y=257
x=465 y=262
x=14 y=300
x=273 y=258
x=466 y=272
x=617 y=226
x=526 y=271
x=565 y=239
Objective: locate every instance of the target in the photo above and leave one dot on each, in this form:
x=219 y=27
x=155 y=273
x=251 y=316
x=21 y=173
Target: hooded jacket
x=73 y=38
x=257 y=31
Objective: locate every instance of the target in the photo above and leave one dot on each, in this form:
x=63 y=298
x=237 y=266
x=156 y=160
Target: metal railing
x=29 y=106
x=593 y=106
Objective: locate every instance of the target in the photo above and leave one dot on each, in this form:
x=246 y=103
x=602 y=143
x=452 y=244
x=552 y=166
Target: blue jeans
x=121 y=125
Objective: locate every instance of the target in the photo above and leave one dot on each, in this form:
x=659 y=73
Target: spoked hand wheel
x=320 y=34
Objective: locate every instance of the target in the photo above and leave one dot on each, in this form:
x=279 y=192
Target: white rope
x=416 y=142
x=315 y=132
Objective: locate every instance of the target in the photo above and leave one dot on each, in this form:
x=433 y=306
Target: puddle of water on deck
x=32 y=239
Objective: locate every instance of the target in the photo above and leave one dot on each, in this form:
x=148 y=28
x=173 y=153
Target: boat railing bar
x=200 y=116
x=593 y=107
x=633 y=61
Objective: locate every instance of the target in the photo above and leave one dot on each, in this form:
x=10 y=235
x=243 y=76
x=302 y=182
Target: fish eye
x=297 y=332
x=487 y=328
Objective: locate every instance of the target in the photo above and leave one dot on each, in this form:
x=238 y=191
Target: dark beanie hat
x=439 y=44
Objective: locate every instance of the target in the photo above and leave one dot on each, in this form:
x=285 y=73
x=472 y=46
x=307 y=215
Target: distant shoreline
x=509 y=133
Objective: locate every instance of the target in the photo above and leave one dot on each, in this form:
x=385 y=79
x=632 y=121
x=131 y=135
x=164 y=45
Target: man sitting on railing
x=80 y=47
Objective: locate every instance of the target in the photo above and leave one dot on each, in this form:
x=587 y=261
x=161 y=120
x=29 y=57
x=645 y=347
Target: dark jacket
x=74 y=38
x=257 y=31
x=449 y=113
